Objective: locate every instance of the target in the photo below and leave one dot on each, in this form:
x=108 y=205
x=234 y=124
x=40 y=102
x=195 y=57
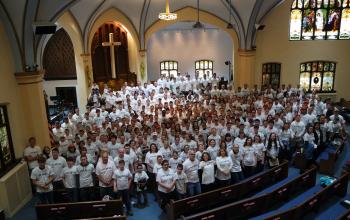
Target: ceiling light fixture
x=198 y=24
x=229 y=24
x=167 y=15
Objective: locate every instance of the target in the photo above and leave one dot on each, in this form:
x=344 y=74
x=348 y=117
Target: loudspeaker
x=44 y=28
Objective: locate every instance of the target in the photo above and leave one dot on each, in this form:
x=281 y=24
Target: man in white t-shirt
x=104 y=170
x=166 y=184
x=31 y=154
x=191 y=166
x=69 y=174
x=42 y=177
x=85 y=171
x=122 y=180
x=57 y=163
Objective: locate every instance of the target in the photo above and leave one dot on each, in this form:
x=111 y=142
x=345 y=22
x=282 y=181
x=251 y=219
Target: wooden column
x=32 y=98
x=245 y=68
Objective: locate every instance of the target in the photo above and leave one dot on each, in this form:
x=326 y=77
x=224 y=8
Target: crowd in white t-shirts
x=180 y=136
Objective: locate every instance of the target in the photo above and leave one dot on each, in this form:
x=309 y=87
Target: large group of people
x=179 y=137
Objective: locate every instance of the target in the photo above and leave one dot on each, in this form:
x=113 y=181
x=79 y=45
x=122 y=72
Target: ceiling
x=141 y=13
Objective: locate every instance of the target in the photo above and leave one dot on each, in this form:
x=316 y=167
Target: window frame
x=304 y=8
x=265 y=72
x=204 y=69
x=322 y=72
x=169 y=70
x=4 y=122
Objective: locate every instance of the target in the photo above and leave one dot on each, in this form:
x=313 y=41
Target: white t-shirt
x=180 y=184
x=208 y=171
x=236 y=161
x=224 y=164
x=34 y=152
x=42 y=177
x=122 y=178
x=69 y=175
x=150 y=160
x=85 y=175
x=140 y=177
x=105 y=171
x=166 y=178
x=57 y=166
x=249 y=156
x=191 y=170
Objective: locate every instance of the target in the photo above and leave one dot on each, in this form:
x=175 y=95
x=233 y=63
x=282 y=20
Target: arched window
x=271 y=74
x=320 y=20
x=204 y=67
x=318 y=76
x=168 y=68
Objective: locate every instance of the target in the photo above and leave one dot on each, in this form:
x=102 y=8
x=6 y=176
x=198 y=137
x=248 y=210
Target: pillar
x=33 y=102
x=143 y=66
x=245 y=68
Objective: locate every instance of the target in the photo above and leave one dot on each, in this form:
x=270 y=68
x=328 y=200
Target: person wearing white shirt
x=224 y=165
x=122 y=180
x=42 y=177
x=207 y=167
x=191 y=166
x=69 y=175
x=298 y=129
x=140 y=180
x=32 y=153
x=236 y=170
x=213 y=149
x=166 y=184
x=249 y=158
x=260 y=153
x=57 y=163
x=122 y=156
x=86 y=183
x=104 y=171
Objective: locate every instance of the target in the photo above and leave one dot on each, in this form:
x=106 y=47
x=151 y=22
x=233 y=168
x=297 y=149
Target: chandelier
x=167 y=15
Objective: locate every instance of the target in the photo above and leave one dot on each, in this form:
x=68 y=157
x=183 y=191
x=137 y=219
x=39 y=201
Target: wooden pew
x=257 y=205
x=227 y=194
x=79 y=210
x=328 y=159
x=123 y=217
x=339 y=188
x=345 y=216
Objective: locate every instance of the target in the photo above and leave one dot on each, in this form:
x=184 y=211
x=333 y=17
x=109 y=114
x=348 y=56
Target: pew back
x=79 y=210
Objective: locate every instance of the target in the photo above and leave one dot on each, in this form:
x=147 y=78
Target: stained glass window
x=271 y=74
x=7 y=157
x=204 y=67
x=317 y=76
x=169 y=68
x=320 y=20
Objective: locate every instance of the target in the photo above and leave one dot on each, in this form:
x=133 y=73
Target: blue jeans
x=45 y=197
x=194 y=188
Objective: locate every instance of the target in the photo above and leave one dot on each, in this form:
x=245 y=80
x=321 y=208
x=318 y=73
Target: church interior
x=249 y=95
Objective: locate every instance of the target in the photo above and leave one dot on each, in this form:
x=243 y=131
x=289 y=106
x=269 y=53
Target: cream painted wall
x=10 y=95
x=273 y=46
x=50 y=86
x=186 y=47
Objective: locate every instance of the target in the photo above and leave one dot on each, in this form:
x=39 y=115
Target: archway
x=69 y=24
x=114 y=15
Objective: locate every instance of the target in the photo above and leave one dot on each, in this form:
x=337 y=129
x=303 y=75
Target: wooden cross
x=111 y=45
